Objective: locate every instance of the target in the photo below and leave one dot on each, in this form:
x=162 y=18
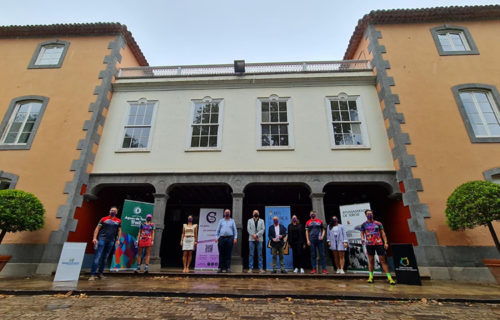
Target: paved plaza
x=61 y=306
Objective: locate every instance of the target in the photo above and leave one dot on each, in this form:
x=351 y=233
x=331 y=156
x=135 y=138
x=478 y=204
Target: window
x=21 y=122
x=7 y=180
x=4 y=183
x=49 y=54
x=137 y=128
x=206 y=124
x=274 y=120
x=347 y=128
x=452 y=40
x=478 y=105
x=492 y=175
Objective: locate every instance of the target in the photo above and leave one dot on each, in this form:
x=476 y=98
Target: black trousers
x=225 y=246
x=298 y=255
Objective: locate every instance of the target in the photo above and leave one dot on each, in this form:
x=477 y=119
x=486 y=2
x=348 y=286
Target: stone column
x=318 y=205
x=237 y=213
x=159 y=221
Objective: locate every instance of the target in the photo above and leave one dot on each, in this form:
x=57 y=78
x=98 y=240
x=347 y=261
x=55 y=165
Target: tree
x=19 y=211
x=475 y=203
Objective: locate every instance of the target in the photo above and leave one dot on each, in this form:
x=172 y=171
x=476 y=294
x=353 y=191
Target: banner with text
x=70 y=261
x=352 y=217
x=133 y=214
x=207 y=253
x=283 y=213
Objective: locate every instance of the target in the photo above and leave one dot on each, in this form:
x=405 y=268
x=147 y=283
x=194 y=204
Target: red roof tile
x=400 y=16
x=76 y=29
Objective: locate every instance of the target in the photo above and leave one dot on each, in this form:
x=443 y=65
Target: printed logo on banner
x=207 y=253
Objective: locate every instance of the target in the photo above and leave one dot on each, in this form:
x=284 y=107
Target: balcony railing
x=250 y=69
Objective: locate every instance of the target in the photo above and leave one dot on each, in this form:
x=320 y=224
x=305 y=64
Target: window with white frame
x=346 y=121
x=22 y=123
x=454 y=40
x=49 y=54
x=137 y=129
x=275 y=129
x=482 y=112
x=206 y=124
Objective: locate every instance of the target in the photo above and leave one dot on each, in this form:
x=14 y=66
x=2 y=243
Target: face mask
x=335 y=221
x=294 y=219
x=255 y=215
x=276 y=222
x=226 y=214
x=148 y=219
x=112 y=213
x=313 y=216
x=369 y=216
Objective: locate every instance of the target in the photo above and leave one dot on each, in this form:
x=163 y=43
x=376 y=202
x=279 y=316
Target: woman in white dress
x=336 y=238
x=189 y=239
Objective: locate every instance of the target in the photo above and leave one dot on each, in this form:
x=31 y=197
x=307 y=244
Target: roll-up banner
x=133 y=214
x=352 y=217
x=207 y=253
x=283 y=214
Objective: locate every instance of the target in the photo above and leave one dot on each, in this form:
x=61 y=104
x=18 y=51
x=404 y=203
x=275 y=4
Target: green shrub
x=472 y=204
x=19 y=211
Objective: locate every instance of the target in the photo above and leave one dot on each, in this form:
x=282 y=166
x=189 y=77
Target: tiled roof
x=77 y=29
x=400 y=16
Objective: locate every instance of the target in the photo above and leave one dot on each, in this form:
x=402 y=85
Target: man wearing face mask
x=373 y=234
x=255 y=228
x=106 y=234
x=315 y=233
x=277 y=234
x=225 y=236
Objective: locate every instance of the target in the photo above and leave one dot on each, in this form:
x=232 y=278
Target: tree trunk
x=490 y=226
x=2 y=234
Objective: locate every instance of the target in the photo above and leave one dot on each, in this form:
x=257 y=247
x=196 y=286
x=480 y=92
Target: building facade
x=54 y=94
x=438 y=81
x=308 y=135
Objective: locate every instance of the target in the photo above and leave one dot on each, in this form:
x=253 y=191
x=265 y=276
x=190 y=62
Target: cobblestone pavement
x=110 y=308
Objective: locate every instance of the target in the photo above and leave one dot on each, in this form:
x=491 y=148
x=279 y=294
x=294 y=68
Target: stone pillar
x=318 y=205
x=159 y=221
x=237 y=213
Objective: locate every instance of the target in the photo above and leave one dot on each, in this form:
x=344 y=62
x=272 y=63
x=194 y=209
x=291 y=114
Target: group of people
x=296 y=236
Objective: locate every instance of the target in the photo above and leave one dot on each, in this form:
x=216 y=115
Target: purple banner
x=207 y=254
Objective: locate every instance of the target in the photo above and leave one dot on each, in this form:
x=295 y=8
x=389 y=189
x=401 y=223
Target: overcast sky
x=219 y=31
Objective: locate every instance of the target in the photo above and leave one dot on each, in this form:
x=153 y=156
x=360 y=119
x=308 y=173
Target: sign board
x=70 y=262
x=133 y=214
x=352 y=217
x=405 y=264
x=207 y=252
x=283 y=213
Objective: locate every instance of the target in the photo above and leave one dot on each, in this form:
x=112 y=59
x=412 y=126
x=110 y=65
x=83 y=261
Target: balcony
x=250 y=69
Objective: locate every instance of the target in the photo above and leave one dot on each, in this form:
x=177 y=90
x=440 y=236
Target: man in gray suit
x=255 y=228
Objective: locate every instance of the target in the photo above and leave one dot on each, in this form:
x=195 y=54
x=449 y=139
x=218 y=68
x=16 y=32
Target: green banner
x=133 y=214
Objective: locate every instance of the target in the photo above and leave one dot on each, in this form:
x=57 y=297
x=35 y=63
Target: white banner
x=352 y=217
x=70 y=262
x=207 y=253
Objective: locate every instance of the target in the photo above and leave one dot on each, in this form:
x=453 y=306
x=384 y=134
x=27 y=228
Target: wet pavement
x=254 y=286
x=113 y=308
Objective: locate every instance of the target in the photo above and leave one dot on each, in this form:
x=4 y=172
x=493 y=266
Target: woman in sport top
x=145 y=240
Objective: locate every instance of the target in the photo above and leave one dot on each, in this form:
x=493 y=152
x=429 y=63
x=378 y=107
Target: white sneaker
x=342 y=271
x=338 y=271
x=295 y=270
x=301 y=270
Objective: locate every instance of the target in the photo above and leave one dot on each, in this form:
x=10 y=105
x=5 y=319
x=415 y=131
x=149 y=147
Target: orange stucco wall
x=445 y=156
x=45 y=168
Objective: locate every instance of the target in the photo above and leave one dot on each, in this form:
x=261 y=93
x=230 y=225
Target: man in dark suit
x=277 y=234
